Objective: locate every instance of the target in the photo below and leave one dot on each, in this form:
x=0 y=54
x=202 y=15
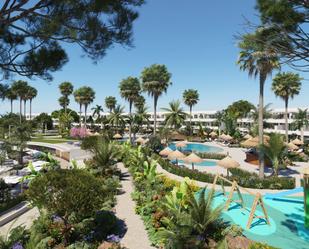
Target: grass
x=51 y=140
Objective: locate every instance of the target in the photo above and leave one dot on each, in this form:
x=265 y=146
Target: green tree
x=117 y=117
x=259 y=60
x=175 y=116
x=110 y=103
x=139 y=103
x=129 y=89
x=35 y=32
x=20 y=88
x=73 y=195
x=275 y=151
x=88 y=96
x=32 y=93
x=301 y=121
x=155 y=81
x=45 y=121
x=11 y=95
x=240 y=108
x=3 y=91
x=190 y=97
x=66 y=89
x=286 y=86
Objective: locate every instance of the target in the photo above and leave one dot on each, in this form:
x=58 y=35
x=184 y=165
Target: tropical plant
x=117 y=117
x=139 y=103
x=286 y=85
x=129 y=89
x=45 y=121
x=11 y=95
x=32 y=93
x=155 y=81
x=79 y=99
x=3 y=91
x=190 y=97
x=259 y=60
x=110 y=103
x=301 y=121
x=84 y=96
x=175 y=116
x=63 y=102
x=97 y=110
x=275 y=151
x=240 y=108
x=20 y=88
x=66 y=89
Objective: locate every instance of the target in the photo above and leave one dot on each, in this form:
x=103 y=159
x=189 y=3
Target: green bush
x=243 y=178
x=211 y=155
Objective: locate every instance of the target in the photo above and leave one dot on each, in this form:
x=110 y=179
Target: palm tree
x=275 y=151
x=63 y=102
x=88 y=96
x=110 y=103
x=20 y=88
x=301 y=121
x=116 y=118
x=175 y=116
x=139 y=102
x=258 y=59
x=129 y=89
x=66 y=89
x=32 y=93
x=79 y=99
x=190 y=97
x=286 y=86
x=11 y=95
x=3 y=91
x=97 y=112
x=156 y=80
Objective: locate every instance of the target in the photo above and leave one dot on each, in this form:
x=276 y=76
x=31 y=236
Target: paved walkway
x=136 y=236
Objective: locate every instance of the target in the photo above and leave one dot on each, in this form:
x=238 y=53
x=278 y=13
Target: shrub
x=154 y=143
x=211 y=155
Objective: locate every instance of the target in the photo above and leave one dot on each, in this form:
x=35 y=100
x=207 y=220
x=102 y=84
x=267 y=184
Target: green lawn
x=51 y=140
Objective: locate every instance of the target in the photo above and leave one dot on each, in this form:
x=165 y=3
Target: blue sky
x=194 y=39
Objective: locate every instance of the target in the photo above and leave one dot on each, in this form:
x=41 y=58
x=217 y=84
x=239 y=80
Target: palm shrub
x=175 y=116
x=275 y=150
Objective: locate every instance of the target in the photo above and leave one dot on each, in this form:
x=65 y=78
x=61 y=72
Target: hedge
x=211 y=155
x=243 y=178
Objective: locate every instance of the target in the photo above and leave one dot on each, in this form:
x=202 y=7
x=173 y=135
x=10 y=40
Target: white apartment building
x=208 y=119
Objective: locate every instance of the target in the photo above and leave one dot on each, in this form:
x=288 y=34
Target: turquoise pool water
x=197 y=147
x=207 y=163
x=286 y=218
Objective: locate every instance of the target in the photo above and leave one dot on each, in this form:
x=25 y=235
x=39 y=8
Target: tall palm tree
x=79 y=99
x=3 y=91
x=32 y=93
x=97 y=110
x=88 y=96
x=175 y=116
x=301 y=121
x=129 y=90
x=259 y=60
x=190 y=97
x=116 y=117
x=20 y=88
x=156 y=80
x=11 y=95
x=139 y=103
x=110 y=103
x=63 y=102
x=286 y=86
x=142 y=117
x=66 y=89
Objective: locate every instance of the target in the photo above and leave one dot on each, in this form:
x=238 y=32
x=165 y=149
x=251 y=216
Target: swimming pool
x=198 y=147
x=207 y=163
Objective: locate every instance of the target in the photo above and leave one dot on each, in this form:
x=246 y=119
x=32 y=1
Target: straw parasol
x=181 y=144
x=176 y=155
x=166 y=151
x=222 y=136
x=248 y=136
x=193 y=158
x=140 y=140
x=254 y=142
x=227 y=137
x=117 y=136
x=291 y=146
x=297 y=142
x=228 y=163
x=205 y=133
x=213 y=134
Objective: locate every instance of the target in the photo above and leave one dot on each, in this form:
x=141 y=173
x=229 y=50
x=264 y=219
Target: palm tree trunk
x=85 y=121
x=80 y=115
x=30 y=108
x=302 y=133
x=25 y=108
x=190 y=120
x=286 y=120
x=11 y=105
x=130 y=125
x=260 y=123
x=20 y=109
x=155 y=102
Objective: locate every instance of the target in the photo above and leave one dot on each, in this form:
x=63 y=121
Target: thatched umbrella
x=291 y=146
x=166 y=151
x=297 y=142
x=205 y=133
x=193 y=158
x=248 y=136
x=117 y=136
x=228 y=163
x=213 y=134
x=181 y=144
x=227 y=137
x=176 y=155
x=140 y=140
x=222 y=136
x=254 y=142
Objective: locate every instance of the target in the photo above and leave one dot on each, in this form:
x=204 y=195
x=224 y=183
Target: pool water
x=198 y=147
x=207 y=163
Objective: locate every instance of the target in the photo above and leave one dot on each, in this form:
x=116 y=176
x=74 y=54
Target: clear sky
x=194 y=39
